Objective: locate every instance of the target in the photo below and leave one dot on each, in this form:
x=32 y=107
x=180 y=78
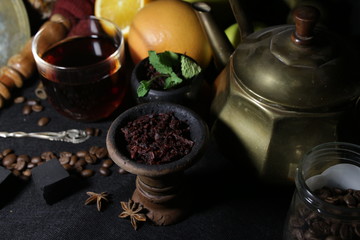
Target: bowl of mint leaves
x=168 y=77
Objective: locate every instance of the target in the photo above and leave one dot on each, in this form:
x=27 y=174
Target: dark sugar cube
x=53 y=181
x=9 y=186
x=4 y=175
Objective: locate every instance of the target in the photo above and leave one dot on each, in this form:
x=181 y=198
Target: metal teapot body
x=284 y=90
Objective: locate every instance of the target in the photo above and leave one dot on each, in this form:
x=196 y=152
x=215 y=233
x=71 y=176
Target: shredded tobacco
x=157 y=138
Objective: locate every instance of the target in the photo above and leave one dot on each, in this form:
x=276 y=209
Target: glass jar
x=323 y=206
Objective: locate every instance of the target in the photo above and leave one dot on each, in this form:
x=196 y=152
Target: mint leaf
x=169 y=58
x=189 y=68
x=155 y=61
x=164 y=63
x=143 y=88
x=171 y=81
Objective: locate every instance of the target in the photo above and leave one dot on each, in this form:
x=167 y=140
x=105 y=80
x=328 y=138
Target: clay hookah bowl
x=159 y=188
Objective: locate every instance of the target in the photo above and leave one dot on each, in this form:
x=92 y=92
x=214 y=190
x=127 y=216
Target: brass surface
x=279 y=95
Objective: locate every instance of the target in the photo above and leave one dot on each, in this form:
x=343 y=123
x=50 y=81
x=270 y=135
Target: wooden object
x=21 y=66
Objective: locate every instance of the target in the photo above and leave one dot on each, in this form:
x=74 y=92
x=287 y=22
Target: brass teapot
x=284 y=90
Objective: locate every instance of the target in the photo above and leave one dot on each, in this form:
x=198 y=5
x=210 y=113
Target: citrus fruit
x=168 y=25
x=121 y=12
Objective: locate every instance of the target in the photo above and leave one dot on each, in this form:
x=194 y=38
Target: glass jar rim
x=314 y=202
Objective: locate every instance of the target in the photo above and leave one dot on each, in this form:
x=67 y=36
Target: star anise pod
x=98 y=197
x=132 y=209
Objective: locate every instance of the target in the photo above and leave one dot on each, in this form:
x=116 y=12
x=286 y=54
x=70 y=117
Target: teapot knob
x=305 y=18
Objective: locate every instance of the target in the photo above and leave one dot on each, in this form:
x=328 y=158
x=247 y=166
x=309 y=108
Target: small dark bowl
x=184 y=95
x=116 y=143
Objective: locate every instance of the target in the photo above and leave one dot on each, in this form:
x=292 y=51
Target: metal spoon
x=71 y=135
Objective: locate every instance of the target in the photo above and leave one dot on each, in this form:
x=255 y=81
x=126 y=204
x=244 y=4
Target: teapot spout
x=244 y=25
x=220 y=44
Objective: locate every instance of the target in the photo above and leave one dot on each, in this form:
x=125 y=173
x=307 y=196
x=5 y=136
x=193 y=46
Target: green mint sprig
x=164 y=63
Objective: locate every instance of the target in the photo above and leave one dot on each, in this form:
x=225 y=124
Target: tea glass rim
x=41 y=61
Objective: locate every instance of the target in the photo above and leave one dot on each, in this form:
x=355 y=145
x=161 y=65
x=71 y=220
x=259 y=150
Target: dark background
x=227 y=204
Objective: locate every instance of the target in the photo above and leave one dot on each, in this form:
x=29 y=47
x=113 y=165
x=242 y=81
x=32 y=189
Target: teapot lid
x=297 y=67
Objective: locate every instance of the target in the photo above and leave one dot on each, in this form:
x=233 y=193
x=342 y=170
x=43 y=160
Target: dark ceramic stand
x=164 y=198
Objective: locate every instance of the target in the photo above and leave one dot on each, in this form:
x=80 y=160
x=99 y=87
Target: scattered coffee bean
x=19 y=99
x=65 y=154
x=27 y=172
x=43 y=121
x=73 y=160
x=105 y=171
x=26 y=110
x=37 y=108
x=35 y=160
x=9 y=159
x=90 y=159
x=64 y=160
x=89 y=131
x=81 y=153
x=31 y=165
x=101 y=153
x=87 y=173
x=23 y=157
x=7 y=151
x=80 y=163
x=67 y=166
x=47 y=155
x=107 y=163
x=20 y=165
x=93 y=149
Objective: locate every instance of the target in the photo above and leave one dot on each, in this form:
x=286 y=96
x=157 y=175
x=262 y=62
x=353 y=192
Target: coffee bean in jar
x=324 y=206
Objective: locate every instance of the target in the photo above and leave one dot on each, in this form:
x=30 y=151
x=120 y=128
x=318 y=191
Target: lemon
x=121 y=12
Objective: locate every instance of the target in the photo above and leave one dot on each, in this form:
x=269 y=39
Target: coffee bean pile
x=75 y=163
x=306 y=224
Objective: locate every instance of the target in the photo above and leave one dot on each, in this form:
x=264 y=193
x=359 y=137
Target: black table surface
x=226 y=205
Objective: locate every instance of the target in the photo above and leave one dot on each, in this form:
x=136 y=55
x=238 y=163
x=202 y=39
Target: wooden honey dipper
x=22 y=66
